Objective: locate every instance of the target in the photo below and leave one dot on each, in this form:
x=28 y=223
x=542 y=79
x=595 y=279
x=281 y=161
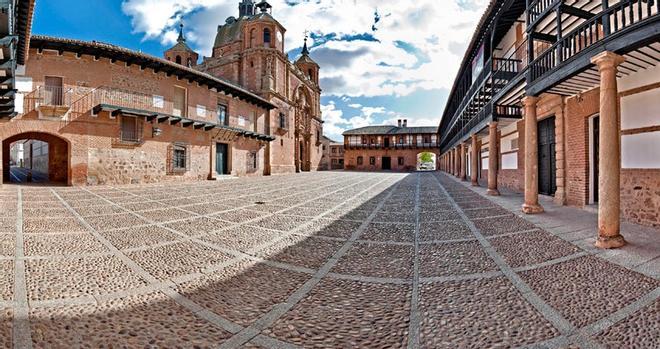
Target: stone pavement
x=333 y=259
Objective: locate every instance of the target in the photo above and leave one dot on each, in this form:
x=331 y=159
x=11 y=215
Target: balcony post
x=474 y=176
x=463 y=162
x=560 y=47
x=531 y=205
x=606 y=18
x=609 y=153
x=492 y=159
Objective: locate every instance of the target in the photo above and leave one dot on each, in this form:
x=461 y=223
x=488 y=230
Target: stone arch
x=59 y=155
x=423 y=165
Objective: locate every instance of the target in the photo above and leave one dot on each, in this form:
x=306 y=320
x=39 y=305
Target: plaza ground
x=331 y=259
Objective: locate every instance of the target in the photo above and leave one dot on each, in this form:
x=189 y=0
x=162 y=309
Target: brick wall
x=640 y=196
x=578 y=111
x=409 y=155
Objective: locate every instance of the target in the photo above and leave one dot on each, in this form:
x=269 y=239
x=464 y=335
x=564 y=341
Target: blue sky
x=381 y=60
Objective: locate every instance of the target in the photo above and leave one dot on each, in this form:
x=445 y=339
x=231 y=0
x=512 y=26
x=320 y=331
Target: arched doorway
x=35 y=157
x=426 y=161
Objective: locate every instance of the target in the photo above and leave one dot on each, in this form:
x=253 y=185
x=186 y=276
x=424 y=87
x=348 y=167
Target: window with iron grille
x=131 y=129
x=360 y=160
x=372 y=160
x=401 y=161
x=178 y=158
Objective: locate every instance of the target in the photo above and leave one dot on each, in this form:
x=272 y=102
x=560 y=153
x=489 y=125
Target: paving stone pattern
x=320 y=260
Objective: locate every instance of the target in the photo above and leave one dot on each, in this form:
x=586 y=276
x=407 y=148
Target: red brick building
x=333 y=154
x=112 y=115
x=395 y=148
x=556 y=100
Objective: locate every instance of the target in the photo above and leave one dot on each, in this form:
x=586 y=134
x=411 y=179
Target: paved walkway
x=321 y=260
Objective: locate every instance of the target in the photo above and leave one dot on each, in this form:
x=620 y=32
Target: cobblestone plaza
x=325 y=260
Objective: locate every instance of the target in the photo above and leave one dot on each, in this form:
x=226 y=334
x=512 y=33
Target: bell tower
x=181 y=53
x=246 y=8
x=307 y=65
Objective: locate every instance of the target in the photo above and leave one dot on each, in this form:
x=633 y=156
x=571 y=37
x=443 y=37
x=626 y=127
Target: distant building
x=333 y=154
x=396 y=148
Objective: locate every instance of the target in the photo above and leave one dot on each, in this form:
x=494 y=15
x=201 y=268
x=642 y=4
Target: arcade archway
x=35 y=157
x=426 y=161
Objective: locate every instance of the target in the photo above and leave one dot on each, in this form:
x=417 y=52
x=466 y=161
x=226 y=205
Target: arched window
x=253 y=38
x=190 y=62
x=178 y=59
x=266 y=37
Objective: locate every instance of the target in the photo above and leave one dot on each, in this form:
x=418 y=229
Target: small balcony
x=51 y=102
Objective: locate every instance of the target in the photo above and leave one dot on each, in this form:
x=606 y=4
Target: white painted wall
x=510 y=161
x=640 y=110
x=24 y=86
x=641 y=150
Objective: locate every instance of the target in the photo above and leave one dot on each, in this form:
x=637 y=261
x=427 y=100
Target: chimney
x=405 y=122
x=399 y=122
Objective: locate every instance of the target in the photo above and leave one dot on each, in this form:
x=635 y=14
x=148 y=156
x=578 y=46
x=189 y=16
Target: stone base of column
x=493 y=192
x=610 y=242
x=475 y=184
x=212 y=178
x=532 y=209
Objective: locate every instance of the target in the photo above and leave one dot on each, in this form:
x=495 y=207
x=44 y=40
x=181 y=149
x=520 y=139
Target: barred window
x=131 y=129
x=372 y=160
x=360 y=160
x=178 y=158
x=401 y=161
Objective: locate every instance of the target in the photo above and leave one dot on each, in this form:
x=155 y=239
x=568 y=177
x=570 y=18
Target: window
x=266 y=37
x=179 y=158
x=364 y=140
x=178 y=59
x=222 y=114
x=190 y=63
x=401 y=161
x=131 y=129
x=334 y=150
x=400 y=139
x=427 y=139
x=372 y=160
x=334 y=161
x=252 y=162
x=360 y=160
x=282 y=121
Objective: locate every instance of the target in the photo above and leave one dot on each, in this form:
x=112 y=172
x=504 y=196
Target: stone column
x=531 y=204
x=212 y=159
x=457 y=170
x=474 y=173
x=609 y=153
x=463 y=162
x=492 y=159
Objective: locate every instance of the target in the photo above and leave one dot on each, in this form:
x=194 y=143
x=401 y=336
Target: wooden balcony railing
x=614 y=19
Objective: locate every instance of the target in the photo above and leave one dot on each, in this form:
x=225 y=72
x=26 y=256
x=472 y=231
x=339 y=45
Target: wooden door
x=179 y=107
x=221 y=158
x=547 y=164
x=53 y=91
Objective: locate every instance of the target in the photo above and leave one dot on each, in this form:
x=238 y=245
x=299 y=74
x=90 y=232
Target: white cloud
x=437 y=32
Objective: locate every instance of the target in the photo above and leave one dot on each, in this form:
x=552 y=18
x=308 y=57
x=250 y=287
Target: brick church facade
x=110 y=115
